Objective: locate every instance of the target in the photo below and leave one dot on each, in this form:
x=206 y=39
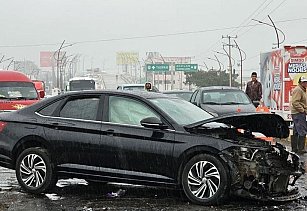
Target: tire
x=35 y=171
x=204 y=180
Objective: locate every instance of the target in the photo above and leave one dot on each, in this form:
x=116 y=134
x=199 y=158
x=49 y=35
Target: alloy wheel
x=204 y=179
x=33 y=170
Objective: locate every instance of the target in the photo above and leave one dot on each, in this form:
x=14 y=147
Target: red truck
x=39 y=86
x=17 y=91
x=279 y=73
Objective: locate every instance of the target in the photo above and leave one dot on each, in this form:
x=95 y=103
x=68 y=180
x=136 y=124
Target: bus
x=81 y=83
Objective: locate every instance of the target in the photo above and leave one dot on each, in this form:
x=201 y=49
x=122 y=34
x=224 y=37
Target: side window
x=84 y=108
x=49 y=110
x=128 y=111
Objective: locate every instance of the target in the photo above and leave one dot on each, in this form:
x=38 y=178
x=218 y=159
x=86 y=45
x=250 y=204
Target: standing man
x=254 y=90
x=298 y=112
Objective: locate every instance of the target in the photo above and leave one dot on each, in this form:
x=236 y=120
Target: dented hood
x=271 y=125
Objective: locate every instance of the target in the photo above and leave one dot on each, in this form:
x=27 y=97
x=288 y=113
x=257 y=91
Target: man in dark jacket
x=254 y=89
x=298 y=112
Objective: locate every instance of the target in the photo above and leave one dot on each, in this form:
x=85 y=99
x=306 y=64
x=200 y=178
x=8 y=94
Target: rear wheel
x=204 y=180
x=35 y=171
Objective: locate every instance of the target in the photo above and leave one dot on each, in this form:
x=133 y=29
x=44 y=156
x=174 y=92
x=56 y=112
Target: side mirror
x=153 y=122
x=42 y=94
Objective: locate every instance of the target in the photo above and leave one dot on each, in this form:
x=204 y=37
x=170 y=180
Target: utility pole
x=229 y=57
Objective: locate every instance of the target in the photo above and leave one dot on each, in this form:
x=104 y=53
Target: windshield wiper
x=2 y=97
x=211 y=103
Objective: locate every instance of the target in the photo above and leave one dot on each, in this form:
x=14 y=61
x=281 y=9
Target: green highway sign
x=186 y=67
x=157 y=67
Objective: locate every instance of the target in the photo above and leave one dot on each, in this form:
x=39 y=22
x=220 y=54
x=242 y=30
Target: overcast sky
x=187 y=28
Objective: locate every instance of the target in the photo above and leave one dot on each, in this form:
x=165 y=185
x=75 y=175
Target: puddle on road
x=53 y=196
x=63 y=183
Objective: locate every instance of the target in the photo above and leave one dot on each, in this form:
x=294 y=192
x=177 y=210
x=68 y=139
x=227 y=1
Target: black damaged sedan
x=151 y=139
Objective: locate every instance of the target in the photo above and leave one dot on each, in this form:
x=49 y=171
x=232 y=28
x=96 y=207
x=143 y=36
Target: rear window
x=50 y=109
x=225 y=97
x=18 y=91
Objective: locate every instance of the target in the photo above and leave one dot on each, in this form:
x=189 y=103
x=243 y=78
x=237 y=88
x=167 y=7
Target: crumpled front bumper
x=264 y=173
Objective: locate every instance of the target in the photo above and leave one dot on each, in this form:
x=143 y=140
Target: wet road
x=76 y=194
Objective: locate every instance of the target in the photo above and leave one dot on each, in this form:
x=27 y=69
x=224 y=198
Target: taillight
x=2 y=126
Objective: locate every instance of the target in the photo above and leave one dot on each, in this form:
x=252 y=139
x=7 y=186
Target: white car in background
x=138 y=87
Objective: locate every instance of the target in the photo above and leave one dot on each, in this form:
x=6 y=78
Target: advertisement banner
x=295 y=67
x=271 y=78
x=127 y=58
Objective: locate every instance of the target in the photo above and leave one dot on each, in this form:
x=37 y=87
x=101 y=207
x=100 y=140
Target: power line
x=234 y=30
x=214 y=44
x=147 y=36
x=29 y=45
x=277 y=7
x=248 y=19
x=263 y=18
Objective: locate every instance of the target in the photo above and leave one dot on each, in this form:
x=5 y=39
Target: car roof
x=13 y=76
x=137 y=94
x=142 y=85
x=177 y=91
x=219 y=88
x=140 y=93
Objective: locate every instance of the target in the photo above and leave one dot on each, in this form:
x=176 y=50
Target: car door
x=132 y=149
x=73 y=130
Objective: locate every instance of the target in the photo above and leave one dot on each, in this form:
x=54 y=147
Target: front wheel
x=35 y=171
x=204 y=180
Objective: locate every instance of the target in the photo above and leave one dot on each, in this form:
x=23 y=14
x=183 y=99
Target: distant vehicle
x=220 y=100
x=81 y=83
x=17 y=91
x=184 y=94
x=55 y=91
x=135 y=87
x=148 y=138
x=39 y=86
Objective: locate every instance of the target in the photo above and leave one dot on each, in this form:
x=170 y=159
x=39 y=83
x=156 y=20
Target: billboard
x=157 y=58
x=49 y=58
x=127 y=58
x=46 y=58
x=271 y=77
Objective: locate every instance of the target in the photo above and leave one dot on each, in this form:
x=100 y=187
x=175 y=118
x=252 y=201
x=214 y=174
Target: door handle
x=109 y=132
x=55 y=125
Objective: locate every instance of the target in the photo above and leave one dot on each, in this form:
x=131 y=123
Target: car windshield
x=181 y=111
x=225 y=97
x=18 y=91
